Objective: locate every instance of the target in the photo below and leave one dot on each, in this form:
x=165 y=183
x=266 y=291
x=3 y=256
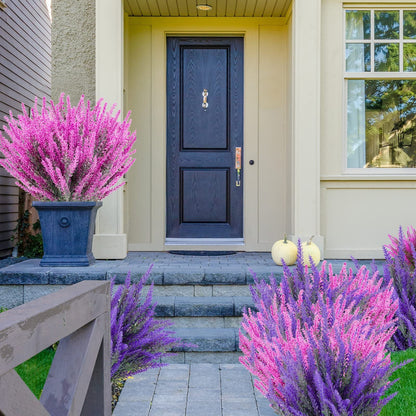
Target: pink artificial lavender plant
x=400 y=265
x=317 y=343
x=405 y=242
x=65 y=153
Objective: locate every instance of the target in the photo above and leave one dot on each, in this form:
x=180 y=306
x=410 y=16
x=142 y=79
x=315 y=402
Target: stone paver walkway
x=193 y=390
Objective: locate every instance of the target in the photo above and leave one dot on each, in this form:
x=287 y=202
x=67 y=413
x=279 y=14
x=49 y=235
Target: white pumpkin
x=310 y=249
x=284 y=250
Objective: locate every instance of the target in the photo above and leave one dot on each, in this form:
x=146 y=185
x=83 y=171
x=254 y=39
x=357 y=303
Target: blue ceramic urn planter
x=67 y=231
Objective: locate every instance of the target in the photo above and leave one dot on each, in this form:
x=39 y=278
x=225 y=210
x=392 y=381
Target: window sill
x=382 y=176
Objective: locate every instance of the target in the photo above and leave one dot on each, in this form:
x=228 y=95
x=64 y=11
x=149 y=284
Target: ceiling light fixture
x=204 y=7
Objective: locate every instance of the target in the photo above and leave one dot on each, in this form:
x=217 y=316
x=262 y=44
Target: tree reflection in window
x=390 y=122
x=386 y=24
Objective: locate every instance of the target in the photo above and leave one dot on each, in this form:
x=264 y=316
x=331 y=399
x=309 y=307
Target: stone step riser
x=202 y=306
x=205 y=322
x=203 y=357
x=196 y=277
x=200 y=291
x=208 y=339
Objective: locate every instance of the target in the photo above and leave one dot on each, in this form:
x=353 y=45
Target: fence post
x=98 y=399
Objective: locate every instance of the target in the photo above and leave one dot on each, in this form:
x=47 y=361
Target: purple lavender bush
x=400 y=264
x=317 y=342
x=138 y=340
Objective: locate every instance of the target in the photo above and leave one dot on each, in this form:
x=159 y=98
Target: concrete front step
x=208 y=339
x=204 y=321
x=199 y=290
x=180 y=306
x=231 y=357
x=211 y=324
x=203 y=295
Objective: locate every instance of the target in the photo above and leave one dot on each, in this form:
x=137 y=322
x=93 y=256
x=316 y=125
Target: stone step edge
x=181 y=306
x=29 y=272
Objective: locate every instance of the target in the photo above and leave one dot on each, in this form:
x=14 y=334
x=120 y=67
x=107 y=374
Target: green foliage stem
x=28 y=237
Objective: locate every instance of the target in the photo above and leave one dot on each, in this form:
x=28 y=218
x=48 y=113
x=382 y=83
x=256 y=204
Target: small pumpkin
x=284 y=250
x=310 y=249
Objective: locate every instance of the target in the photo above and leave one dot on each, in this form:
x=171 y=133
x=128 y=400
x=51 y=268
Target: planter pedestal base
x=67 y=261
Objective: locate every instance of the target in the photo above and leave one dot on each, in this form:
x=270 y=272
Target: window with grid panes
x=380 y=74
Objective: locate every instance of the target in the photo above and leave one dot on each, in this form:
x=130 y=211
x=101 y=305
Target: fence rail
x=78 y=382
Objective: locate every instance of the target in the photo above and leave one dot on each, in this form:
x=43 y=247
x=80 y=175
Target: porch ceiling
x=220 y=8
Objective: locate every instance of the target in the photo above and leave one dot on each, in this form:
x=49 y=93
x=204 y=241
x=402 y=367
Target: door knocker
x=205 y=99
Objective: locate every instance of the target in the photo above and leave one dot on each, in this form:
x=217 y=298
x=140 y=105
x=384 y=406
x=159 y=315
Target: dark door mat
x=202 y=253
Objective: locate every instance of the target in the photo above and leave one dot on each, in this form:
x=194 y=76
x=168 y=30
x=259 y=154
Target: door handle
x=238 y=166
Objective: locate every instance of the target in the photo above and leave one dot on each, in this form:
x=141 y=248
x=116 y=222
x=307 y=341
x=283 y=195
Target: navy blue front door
x=204 y=131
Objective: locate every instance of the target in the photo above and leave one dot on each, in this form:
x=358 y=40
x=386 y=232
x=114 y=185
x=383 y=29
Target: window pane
x=356 y=124
x=409 y=57
x=381 y=124
x=386 y=25
x=386 y=57
x=358 y=57
x=409 y=24
x=357 y=25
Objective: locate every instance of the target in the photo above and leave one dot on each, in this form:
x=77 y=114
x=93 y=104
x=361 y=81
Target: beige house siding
x=25 y=56
x=358 y=211
x=73 y=54
x=266 y=140
x=274 y=141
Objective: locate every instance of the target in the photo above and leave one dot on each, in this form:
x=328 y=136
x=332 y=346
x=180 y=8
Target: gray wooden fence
x=79 y=379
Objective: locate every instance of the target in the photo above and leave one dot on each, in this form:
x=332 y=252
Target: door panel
x=204 y=127
x=203 y=68
x=204 y=193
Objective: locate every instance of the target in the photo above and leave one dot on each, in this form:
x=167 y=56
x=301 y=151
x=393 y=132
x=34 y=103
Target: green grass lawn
x=34 y=371
x=404 y=404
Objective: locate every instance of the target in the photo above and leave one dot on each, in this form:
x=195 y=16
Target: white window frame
x=399 y=75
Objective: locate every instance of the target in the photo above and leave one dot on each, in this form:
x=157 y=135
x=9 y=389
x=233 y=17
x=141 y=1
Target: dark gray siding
x=25 y=72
